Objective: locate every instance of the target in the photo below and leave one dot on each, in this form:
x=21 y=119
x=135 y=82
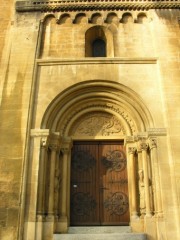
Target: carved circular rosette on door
x=82 y=160
x=117 y=203
x=114 y=160
x=82 y=204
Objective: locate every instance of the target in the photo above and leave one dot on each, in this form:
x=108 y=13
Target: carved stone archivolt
x=108 y=124
x=98 y=124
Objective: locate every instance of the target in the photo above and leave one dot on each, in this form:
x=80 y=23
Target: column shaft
x=158 y=205
x=41 y=177
x=64 y=183
x=52 y=182
x=146 y=179
x=133 y=178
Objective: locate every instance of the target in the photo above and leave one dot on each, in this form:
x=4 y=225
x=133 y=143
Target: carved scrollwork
x=117 y=203
x=113 y=107
x=114 y=160
x=99 y=124
x=82 y=204
x=82 y=161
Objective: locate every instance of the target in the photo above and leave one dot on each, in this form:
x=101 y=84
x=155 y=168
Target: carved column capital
x=65 y=150
x=53 y=146
x=54 y=141
x=143 y=146
x=66 y=146
x=132 y=150
x=44 y=142
x=152 y=143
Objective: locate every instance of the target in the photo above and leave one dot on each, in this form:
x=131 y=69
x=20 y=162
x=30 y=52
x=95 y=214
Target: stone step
x=102 y=229
x=100 y=233
x=103 y=236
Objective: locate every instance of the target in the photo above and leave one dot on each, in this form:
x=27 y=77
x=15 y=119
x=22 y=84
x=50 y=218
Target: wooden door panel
x=114 y=206
x=99 y=187
x=84 y=185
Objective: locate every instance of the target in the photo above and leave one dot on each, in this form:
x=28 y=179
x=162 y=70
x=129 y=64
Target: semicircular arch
x=111 y=102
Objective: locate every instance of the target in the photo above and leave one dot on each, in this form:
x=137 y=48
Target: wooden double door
x=99 y=184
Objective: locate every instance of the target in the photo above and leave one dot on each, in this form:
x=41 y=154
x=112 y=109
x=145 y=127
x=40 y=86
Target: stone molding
x=80 y=61
x=89 y=5
x=157 y=131
x=39 y=132
x=95 y=107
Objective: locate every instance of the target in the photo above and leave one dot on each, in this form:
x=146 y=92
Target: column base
x=148 y=215
x=48 y=230
x=62 y=225
x=134 y=216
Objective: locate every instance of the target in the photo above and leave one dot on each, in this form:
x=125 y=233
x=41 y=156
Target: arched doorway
x=98 y=113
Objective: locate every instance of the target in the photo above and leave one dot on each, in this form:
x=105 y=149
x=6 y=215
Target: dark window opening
x=99 y=48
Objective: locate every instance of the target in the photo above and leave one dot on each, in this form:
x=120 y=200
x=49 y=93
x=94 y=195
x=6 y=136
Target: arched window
x=98 y=42
x=99 y=48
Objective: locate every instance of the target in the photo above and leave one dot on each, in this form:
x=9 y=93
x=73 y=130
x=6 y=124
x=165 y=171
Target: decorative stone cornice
x=90 y=5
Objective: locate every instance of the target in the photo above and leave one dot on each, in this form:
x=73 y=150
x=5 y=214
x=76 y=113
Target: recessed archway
x=97 y=95
x=95 y=110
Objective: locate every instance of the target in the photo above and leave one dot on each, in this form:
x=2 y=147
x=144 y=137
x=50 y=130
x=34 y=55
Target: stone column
x=32 y=187
x=40 y=198
x=131 y=151
x=53 y=148
x=157 y=190
x=64 y=182
x=43 y=154
x=144 y=148
x=62 y=225
x=57 y=188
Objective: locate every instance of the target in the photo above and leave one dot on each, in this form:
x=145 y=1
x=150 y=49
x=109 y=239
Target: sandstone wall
x=156 y=82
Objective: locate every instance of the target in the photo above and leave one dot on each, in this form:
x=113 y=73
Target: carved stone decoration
x=117 y=203
x=142 y=193
x=99 y=124
x=57 y=182
x=56 y=6
x=114 y=160
x=152 y=143
x=82 y=160
x=126 y=116
x=82 y=204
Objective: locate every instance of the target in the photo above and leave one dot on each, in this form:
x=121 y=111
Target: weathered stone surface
x=42 y=54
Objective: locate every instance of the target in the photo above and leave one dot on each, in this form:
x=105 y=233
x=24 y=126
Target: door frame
x=108 y=141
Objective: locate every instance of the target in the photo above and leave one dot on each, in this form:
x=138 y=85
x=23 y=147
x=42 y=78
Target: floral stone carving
x=99 y=125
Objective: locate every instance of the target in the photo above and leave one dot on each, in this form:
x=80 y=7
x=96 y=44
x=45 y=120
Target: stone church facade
x=78 y=77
